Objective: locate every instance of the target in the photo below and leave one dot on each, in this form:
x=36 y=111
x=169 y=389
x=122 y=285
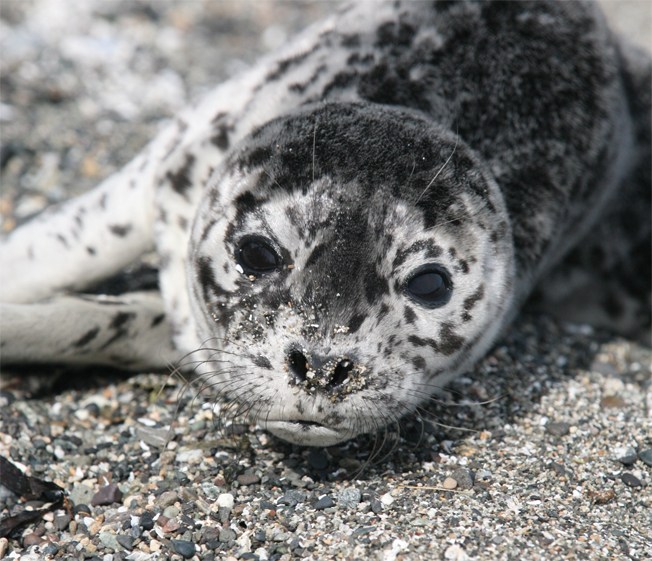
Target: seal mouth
x=307 y=433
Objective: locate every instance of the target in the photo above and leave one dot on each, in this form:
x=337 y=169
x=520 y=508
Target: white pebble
x=387 y=499
x=225 y=500
x=190 y=456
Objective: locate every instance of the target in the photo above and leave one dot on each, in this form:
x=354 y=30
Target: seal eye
x=430 y=286
x=256 y=255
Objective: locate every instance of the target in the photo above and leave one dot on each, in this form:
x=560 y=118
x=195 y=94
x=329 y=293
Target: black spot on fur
x=300 y=87
x=350 y=40
x=431 y=250
x=423 y=342
x=284 y=65
x=157 y=320
x=340 y=81
x=449 y=341
x=471 y=301
x=221 y=136
x=180 y=179
x=262 y=362
x=120 y=230
x=206 y=278
x=86 y=337
x=119 y=324
x=356 y=322
x=409 y=315
x=316 y=254
x=419 y=362
x=90 y=250
x=375 y=286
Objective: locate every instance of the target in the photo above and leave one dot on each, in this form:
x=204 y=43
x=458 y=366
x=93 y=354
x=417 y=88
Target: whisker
x=439 y=172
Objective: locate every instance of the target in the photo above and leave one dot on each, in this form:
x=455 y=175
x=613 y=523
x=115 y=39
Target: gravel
x=543 y=451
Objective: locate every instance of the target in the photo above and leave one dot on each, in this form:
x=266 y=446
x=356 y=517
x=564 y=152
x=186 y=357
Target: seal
x=355 y=220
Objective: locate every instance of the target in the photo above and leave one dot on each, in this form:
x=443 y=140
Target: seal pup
x=354 y=221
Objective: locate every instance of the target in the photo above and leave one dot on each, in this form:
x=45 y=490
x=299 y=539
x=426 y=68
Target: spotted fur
x=507 y=144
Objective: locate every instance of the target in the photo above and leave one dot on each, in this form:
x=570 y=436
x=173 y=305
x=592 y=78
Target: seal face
x=347 y=275
x=353 y=222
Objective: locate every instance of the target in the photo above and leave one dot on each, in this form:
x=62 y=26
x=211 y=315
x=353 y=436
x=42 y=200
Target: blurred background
x=84 y=85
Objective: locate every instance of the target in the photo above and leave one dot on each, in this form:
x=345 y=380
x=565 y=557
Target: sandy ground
x=554 y=465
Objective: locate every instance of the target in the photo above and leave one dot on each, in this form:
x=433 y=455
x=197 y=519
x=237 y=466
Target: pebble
x=349 y=497
x=464 y=478
x=557 y=428
x=248 y=479
x=324 y=502
x=455 y=552
x=109 y=540
x=387 y=499
x=292 y=498
x=32 y=539
x=125 y=541
x=646 y=456
x=449 y=483
x=81 y=494
x=194 y=456
x=184 y=548
x=61 y=521
x=626 y=455
x=631 y=480
x=146 y=520
x=156 y=437
x=227 y=535
x=171 y=511
x=167 y=498
x=107 y=495
x=225 y=500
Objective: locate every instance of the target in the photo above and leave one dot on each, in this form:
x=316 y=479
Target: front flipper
x=129 y=331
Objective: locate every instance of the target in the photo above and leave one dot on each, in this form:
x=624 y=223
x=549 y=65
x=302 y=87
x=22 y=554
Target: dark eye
x=256 y=255
x=430 y=286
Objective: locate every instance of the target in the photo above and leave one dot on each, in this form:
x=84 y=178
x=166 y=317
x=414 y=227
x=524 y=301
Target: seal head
x=346 y=261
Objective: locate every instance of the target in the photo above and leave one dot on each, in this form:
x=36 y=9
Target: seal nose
x=320 y=372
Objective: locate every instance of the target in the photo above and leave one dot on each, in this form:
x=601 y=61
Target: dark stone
x=147 y=520
x=646 y=456
x=107 y=495
x=32 y=539
x=82 y=509
x=376 y=506
x=464 y=478
x=324 y=502
x=260 y=536
x=556 y=428
x=292 y=498
x=227 y=535
x=125 y=541
x=50 y=550
x=184 y=548
x=248 y=479
x=631 y=480
x=61 y=522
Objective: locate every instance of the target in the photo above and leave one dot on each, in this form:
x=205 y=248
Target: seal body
x=352 y=222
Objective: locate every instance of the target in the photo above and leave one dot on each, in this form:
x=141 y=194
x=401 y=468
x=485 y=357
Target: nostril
x=341 y=372
x=298 y=365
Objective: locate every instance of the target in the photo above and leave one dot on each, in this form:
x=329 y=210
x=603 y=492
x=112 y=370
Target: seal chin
x=307 y=433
